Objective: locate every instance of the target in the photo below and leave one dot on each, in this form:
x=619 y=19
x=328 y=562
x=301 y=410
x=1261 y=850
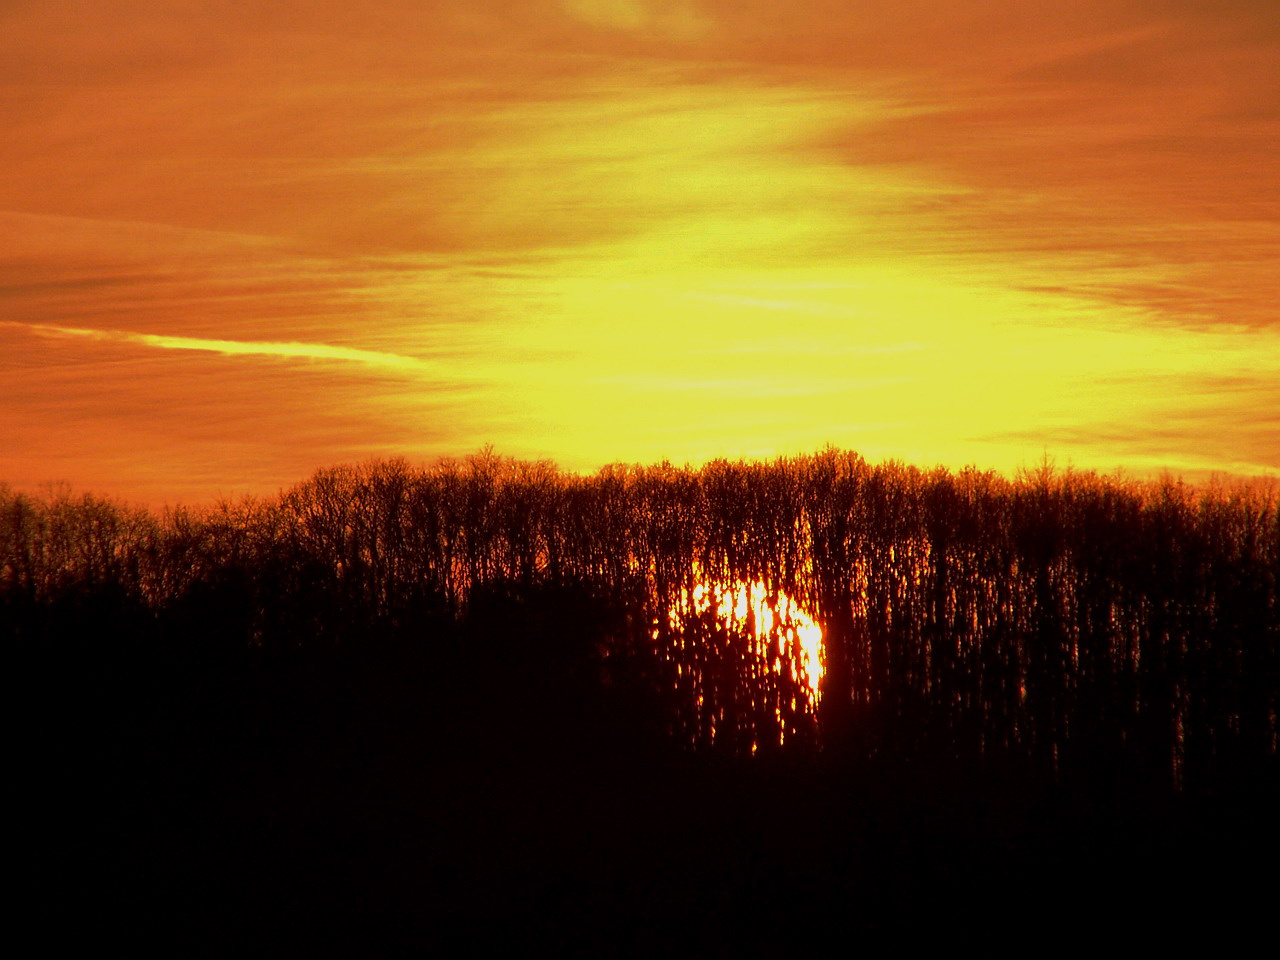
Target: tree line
x=1058 y=618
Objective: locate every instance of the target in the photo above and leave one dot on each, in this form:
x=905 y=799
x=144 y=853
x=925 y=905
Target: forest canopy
x=1056 y=617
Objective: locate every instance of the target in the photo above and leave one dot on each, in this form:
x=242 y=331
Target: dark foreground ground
x=776 y=864
x=364 y=809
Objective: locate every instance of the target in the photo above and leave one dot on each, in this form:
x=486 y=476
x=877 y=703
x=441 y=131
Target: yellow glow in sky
x=233 y=249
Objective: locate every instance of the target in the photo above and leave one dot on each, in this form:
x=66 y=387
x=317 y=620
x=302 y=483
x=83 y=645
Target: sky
x=243 y=241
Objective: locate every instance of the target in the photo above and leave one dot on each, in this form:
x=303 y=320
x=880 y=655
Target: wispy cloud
x=235 y=348
x=943 y=230
x=675 y=19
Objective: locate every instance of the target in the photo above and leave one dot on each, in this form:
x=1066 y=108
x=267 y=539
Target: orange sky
x=239 y=241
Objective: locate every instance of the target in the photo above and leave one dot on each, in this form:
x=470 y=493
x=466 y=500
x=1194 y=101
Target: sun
x=746 y=633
